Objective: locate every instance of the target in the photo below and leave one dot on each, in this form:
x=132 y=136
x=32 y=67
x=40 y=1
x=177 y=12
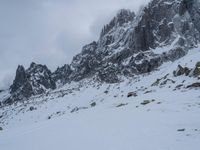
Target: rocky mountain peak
x=19 y=80
x=130 y=44
x=34 y=80
x=32 y=65
x=62 y=74
x=123 y=16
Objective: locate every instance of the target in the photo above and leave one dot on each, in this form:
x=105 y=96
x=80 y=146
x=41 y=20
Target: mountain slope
x=116 y=116
x=137 y=87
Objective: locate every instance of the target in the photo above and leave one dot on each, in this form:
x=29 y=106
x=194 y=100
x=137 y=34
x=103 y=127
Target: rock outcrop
x=35 y=80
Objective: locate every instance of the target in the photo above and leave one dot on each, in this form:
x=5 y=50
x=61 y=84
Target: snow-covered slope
x=150 y=111
x=137 y=87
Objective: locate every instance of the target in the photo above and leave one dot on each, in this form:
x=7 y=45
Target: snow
x=116 y=122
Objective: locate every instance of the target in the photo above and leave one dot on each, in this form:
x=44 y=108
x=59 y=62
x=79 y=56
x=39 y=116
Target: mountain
x=130 y=44
x=137 y=87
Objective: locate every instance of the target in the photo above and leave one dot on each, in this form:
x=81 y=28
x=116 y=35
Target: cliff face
x=130 y=44
x=126 y=45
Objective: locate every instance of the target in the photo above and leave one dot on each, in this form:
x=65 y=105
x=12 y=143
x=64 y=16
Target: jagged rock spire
x=19 y=80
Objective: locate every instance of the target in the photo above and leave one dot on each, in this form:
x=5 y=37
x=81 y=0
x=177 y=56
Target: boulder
x=145 y=102
x=93 y=104
x=182 y=71
x=130 y=94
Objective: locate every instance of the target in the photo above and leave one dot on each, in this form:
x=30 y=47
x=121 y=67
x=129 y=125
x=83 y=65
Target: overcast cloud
x=50 y=32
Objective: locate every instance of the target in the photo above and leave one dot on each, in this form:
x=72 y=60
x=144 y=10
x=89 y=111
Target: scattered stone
x=93 y=104
x=156 y=83
x=49 y=117
x=183 y=81
x=58 y=112
x=179 y=86
x=130 y=94
x=196 y=72
x=181 y=130
x=1 y=128
x=32 y=108
x=75 y=110
x=106 y=92
x=120 y=105
x=145 y=102
x=148 y=92
x=159 y=102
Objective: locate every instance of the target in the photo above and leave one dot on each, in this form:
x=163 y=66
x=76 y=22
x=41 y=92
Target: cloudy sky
x=50 y=32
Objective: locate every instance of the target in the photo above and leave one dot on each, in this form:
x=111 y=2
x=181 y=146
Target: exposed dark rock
x=167 y=81
x=76 y=109
x=130 y=94
x=123 y=16
x=20 y=79
x=109 y=74
x=196 y=72
x=145 y=102
x=174 y=54
x=1 y=128
x=185 y=6
x=181 y=130
x=40 y=75
x=106 y=92
x=62 y=74
x=161 y=80
x=93 y=104
x=182 y=71
x=35 y=80
x=146 y=92
x=179 y=86
x=122 y=104
x=32 y=108
x=194 y=85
